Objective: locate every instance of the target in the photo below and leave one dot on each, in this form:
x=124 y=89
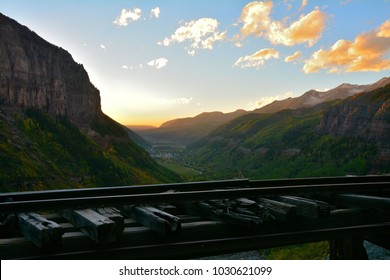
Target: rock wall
x=35 y=73
x=365 y=115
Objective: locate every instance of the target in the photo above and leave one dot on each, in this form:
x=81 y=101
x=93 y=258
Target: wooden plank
x=171 y=209
x=307 y=207
x=114 y=215
x=281 y=211
x=97 y=227
x=159 y=221
x=209 y=211
x=39 y=230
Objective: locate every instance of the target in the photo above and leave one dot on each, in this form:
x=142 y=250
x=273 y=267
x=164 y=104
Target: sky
x=154 y=61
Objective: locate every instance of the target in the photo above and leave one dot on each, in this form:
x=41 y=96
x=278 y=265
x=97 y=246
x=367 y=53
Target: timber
x=223 y=217
x=218 y=211
x=159 y=221
x=114 y=215
x=307 y=207
x=42 y=232
x=281 y=211
x=97 y=227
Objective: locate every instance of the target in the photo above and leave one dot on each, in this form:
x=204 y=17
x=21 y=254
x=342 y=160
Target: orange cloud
x=293 y=57
x=257 y=59
x=366 y=53
x=257 y=21
x=384 y=30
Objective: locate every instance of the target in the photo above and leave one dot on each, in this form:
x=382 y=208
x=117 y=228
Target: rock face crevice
x=37 y=74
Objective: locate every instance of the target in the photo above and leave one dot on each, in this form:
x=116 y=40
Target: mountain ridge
x=314 y=97
x=185 y=131
x=335 y=138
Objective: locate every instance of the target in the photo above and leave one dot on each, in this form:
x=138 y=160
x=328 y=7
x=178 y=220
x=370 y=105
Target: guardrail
x=195 y=219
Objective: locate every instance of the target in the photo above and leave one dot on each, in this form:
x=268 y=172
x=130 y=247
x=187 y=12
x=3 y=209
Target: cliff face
x=365 y=115
x=37 y=74
x=52 y=131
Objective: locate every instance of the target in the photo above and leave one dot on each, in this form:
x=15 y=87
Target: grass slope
x=39 y=152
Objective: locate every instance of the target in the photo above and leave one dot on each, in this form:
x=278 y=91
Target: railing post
x=350 y=248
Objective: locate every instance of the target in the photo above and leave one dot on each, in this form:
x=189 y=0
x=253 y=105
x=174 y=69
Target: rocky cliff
x=37 y=74
x=53 y=133
x=365 y=115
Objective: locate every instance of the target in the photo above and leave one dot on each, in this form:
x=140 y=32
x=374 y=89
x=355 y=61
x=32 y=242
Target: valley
x=337 y=137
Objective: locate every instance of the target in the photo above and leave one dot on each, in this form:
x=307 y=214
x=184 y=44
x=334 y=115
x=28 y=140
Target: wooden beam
x=97 y=227
x=114 y=215
x=281 y=211
x=307 y=207
x=42 y=232
x=159 y=221
x=209 y=210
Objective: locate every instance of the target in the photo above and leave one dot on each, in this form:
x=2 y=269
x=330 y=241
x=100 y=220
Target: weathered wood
x=364 y=201
x=171 y=209
x=250 y=207
x=159 y=221
x=97 y=227
x=307 y=207
x=347 y=249
x=114 y=215
x=39 y=230
x=281 y=211
x=7 y=225
x=209 y=211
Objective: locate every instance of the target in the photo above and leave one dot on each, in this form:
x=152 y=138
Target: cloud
x=365 y=53
x=203 y=33
x=257 y=59
x=174 y=101
x=155 y=12
x=158 y=63
x=293 y=57
x=303 y=5
x=127 y=16
x=384 y=30
x=256 y=21
x=103 y=46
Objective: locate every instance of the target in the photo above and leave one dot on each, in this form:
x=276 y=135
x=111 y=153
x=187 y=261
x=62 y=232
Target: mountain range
x=338 y=137
x=186 y=131
x=53 y=133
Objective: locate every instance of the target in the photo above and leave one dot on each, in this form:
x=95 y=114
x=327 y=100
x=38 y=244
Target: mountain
x=188 y=130
x=334 y=138
x=185 y=131
x=53 y=133
x=314 y=97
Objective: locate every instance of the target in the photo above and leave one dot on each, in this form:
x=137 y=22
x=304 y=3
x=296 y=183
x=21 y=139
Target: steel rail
x=182 y=187
x=200 y=248
x=177 y=197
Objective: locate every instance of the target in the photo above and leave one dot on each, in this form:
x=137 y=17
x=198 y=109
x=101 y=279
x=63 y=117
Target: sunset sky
x=154 y=61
